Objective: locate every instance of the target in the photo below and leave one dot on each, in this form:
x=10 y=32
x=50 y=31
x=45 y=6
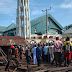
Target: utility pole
x=46 y=20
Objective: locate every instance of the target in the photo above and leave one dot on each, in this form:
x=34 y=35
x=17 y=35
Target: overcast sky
x=61 y=10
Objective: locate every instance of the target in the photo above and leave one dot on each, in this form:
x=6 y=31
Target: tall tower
x=23 y=27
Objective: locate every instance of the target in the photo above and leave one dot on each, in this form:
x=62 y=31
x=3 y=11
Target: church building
x=39 y=28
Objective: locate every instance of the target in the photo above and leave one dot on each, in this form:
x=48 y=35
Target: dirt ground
x=44 y=67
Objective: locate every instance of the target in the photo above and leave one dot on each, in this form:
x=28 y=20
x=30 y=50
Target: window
x=56 y=32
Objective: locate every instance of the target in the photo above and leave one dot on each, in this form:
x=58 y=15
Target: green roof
x=40 y=24
x=12 y=26
x=59 y=25
x=2 y=28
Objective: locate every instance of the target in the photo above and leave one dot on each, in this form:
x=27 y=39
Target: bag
x=67 y=48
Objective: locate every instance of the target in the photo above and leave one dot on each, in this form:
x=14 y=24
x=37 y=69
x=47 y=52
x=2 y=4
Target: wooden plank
x=60 y=69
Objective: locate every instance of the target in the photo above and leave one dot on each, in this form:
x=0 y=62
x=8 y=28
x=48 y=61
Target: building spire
x=23 y=27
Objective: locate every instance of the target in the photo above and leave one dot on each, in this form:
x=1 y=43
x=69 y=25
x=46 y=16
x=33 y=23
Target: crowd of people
x=56 y=52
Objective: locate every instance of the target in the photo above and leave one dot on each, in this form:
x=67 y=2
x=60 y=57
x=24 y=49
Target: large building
x=38 y=28
x=68 y=33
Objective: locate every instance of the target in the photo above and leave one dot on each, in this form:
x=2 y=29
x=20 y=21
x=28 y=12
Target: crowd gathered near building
x=55 y=52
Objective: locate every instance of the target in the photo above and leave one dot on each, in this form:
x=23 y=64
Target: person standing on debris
x=26 y=47
x=38 y=54
x=34 y=55
x=67 y=51
x=18 y=46
x=9 y=57
x=58 y=48
x=16 y=52
x=31 y=50
x=21 y=52
x=45 y=52
x=51 y=52
x=28 y=55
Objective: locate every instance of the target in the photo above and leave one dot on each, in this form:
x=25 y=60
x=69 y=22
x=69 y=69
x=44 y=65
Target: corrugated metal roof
x=40 y=24
x=12 y=40
x=69 y=31
x=2 y=28
x=10 y=27
x=55 y=21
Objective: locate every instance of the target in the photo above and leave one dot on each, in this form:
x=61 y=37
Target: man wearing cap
x=11 y=58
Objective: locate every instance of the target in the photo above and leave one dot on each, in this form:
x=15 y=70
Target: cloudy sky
x=61 y=10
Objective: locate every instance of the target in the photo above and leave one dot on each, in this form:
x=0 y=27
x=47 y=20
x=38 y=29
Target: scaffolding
x=4 y=55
